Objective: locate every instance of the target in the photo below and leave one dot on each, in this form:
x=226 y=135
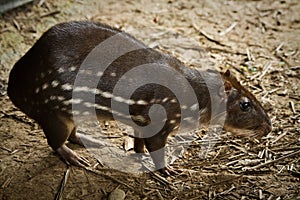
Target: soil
x=259 y=41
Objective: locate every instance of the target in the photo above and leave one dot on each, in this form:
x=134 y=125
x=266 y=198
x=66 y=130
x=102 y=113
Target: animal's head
x=245 y=116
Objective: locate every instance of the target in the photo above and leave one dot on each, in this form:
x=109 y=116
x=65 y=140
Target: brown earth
x=259 y=41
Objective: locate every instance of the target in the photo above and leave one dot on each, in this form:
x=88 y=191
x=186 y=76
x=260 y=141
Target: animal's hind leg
x=84 y=140
x=57 y=130
x=139 y=143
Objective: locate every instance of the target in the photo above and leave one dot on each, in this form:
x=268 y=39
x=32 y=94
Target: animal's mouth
x=255 y=132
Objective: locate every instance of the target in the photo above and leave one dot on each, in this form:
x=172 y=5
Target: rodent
x=40 y=85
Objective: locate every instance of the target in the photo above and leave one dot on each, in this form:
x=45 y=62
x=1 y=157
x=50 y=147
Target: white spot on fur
x=106 y=94
x=139 y=118
x=37 y=90
x=102 y=108
x=173 y=101
x=85 y=89
x=113 y=74
x=67 y=87
x=183 y=107
x=178 y=115
x=72 y=101
x=61 y=70
x=99 y=74
x=152 y=100
x=85 y=71
x=86 y=113
x=75 y=112
x=118 y=99
x=129 y=102
x=72 y=69
x=172 y=121
x=54 y=83
x=189 y=119
x=141 y=102
x=42 y=75
x=45 y=86
x=61 y=98
x=52 y=98
x=165 y=99
x=194 y=107
x=89 y=105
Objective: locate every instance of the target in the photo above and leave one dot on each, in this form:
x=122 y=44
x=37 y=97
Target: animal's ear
x=225 y=89
x=227 y=83
x=227 y=86
x=227 y=73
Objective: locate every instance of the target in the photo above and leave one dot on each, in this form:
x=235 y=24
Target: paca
x=43 y=84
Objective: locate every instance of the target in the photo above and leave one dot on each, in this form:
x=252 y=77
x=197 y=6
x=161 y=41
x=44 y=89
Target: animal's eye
x=245 y=106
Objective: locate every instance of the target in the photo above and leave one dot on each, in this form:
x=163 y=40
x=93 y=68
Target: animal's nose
x=267 y=126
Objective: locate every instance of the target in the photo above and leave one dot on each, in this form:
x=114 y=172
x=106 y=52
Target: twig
x=279 y=137
x=17 y=25
x=265 y=71
x=274 y=161
x=15 y=117
x=249 y=56
x=228 y=29
x=114 y=179
x=50 y=14
x=227 y=180
x=225 y=51
x=159 y=195
x=41 y=2
x=209 y=38
x=59 y=194
x=279 y=47
x=7 y=182
x=6 y=29
x=292 y=107
x=283 y=59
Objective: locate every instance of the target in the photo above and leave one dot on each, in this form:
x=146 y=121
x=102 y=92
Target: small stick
x=274 y=161
x=210 y=38
x=17 y=25
x=279 y=137
x=265 y=71
x=292 y=107
x=283 y=59
x=114 y=179
x=41 y=2
x=249 y=54
x=207 y=36
x=228 y=180
x=225 y=51
x=159 y=195
x=228 y=29
x=7 y=182
x=260 y=194
x=59 y=195
x=279 y=47
x=50 y=14
x=160 y=178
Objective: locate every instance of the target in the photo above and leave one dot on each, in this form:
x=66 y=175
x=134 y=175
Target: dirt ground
x=259 y=41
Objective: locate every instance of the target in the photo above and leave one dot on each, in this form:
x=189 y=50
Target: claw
x=70 y=157
x=167 y=171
